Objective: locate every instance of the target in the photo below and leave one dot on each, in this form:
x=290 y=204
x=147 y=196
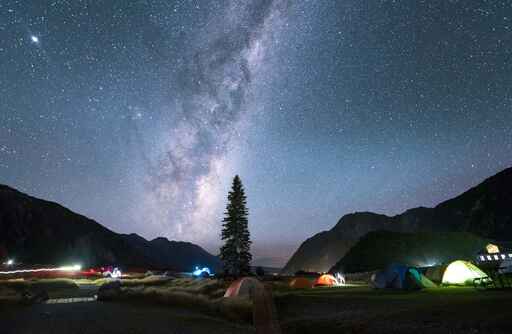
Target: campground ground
x=364 y=310
x=141 y=314
x=111 y=318
x=357 y=309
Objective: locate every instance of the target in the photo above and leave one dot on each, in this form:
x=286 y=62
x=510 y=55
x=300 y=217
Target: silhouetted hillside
x=484 y=210
x=378 y=249
x=37 y=231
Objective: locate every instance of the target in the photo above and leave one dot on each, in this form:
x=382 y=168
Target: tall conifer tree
x=235 y=253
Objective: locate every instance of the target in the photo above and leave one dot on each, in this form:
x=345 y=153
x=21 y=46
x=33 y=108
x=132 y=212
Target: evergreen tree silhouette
x=235 y=253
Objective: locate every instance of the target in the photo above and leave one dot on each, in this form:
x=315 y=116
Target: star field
x=139 y=113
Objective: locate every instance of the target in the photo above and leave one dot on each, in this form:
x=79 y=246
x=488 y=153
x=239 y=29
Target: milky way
x=139 y=113
x=214 y=82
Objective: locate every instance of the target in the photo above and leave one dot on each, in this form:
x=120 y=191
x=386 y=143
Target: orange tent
x=242 y=287
x=301 y=283
x=325 y=280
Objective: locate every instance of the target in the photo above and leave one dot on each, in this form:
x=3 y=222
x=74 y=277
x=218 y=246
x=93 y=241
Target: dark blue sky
x=138 y=113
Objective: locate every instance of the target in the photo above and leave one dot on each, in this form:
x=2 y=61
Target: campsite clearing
x=365 y=310
x=351 y=309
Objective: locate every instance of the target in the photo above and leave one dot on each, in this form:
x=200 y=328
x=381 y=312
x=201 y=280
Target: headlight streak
x=22 y=271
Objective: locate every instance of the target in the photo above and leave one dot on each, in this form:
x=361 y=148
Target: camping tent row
x=247 y=286
x=325 y=280
x=398 y=276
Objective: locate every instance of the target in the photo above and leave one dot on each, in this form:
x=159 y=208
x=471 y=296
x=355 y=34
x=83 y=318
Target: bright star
x=34 y=39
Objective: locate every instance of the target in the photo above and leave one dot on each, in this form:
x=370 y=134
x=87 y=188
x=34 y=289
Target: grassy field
x=364 y=310
x=355 y=309
x=201 y=295
x=10 y=290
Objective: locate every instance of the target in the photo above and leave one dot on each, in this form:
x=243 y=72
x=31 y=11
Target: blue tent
x=398 y=276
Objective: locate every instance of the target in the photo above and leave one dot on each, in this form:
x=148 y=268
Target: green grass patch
x=365 y=310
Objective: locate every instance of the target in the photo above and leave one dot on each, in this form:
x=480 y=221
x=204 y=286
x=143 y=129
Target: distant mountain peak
x=166 y=240
x=160 y=239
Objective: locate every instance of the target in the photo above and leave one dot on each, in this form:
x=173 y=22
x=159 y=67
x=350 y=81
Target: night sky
x=139 y=113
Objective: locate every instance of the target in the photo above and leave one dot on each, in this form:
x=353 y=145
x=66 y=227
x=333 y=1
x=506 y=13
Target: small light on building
x=482 y=258
x=489 y=258
x=496 y=257
x=503 y=256
x=492 y=249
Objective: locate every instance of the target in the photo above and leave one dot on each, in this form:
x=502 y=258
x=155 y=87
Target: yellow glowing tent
x=461 y=272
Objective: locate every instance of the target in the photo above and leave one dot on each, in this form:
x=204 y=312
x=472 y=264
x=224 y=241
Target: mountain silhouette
x=36 y=231
x=484 y=210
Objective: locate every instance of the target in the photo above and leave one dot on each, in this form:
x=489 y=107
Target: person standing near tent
x=340 y=279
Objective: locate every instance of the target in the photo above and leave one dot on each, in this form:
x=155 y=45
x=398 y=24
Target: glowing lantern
x=492 y=249
x=461 y=272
